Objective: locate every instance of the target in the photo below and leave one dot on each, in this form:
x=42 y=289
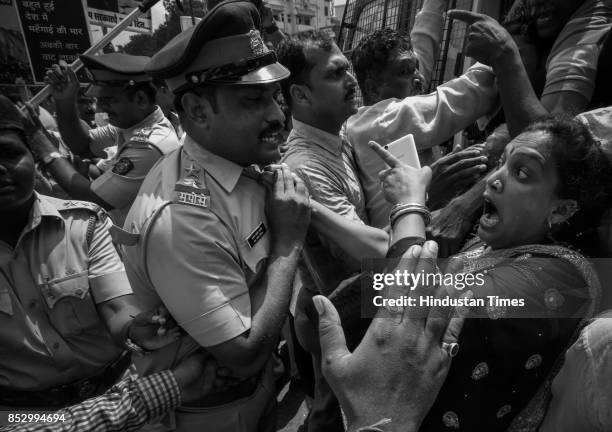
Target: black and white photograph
x=306 y=216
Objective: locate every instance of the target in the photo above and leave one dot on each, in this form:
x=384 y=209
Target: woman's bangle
x=399 y=210
x=400 y=206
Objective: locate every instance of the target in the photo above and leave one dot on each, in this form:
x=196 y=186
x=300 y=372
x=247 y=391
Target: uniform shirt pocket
x=71 y=307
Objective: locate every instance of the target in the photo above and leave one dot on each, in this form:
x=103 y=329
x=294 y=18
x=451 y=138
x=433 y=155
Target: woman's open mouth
x=490 y=216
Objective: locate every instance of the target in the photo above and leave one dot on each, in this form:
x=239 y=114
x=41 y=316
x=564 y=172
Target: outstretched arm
x=355 y=238
x=489 y=43
x=426 y=36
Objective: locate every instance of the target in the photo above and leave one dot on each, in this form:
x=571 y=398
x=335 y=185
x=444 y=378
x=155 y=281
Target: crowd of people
x=153 y=260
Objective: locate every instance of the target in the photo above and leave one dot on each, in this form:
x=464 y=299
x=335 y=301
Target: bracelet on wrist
x=129 y=344
x=399 y=206
x=400 y=210
x=132 y=346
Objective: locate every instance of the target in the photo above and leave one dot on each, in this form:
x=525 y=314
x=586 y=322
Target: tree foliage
x=149 y=44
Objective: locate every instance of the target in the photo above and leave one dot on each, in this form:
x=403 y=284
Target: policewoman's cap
x=111 y=74
x=10 y=118
x=224 y=48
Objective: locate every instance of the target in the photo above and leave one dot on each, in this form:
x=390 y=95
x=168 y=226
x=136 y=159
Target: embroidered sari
x=500 y=380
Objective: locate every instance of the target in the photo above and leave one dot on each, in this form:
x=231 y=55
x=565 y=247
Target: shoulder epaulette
x=74 y=204
x=191 y=187
x=82 y=205
x=142 y=135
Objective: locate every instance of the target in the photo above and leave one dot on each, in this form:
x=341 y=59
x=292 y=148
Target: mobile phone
x=405 y=150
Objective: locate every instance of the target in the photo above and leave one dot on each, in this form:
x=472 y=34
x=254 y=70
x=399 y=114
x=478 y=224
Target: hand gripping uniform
x=196 y=238
x=199 y=243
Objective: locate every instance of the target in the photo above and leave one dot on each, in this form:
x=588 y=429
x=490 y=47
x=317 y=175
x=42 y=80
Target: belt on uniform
x=68 y=394
x=239 y=391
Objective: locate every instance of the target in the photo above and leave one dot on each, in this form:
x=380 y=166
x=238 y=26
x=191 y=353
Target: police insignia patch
x=192 y=171
x=123 y=166
x=190 y=195
x=142 y=136
x=256 y=43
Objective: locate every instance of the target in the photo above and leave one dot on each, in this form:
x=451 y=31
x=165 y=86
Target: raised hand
x=287 y=207
x=401 y=363
x=401 y=183
x=455 y=172
x=63 y=81
x=154 y=329
x=487 y=40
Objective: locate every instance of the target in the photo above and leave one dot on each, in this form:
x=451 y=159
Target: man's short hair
x=290 y=53
x=373 y=53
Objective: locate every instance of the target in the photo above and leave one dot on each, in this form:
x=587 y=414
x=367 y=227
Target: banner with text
x=54 y=31
x=16 y=67
x=108 y=13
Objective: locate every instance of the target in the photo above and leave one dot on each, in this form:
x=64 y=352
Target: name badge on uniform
x=123 y=166
x=256 y=235
x=190 y=195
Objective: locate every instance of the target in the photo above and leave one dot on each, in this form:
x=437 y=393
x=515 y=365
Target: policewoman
x=207 y=239
x=66 y=307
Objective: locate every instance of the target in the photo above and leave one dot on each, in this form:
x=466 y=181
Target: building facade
x=294 y=16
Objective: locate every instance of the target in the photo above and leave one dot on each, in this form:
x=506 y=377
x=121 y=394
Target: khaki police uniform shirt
x=204 y=240
x=50 y=283
x=138 y=148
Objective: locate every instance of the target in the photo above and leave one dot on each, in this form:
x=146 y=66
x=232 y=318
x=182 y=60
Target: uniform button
x=56 y=345
x=33 y=304
x=79 y=292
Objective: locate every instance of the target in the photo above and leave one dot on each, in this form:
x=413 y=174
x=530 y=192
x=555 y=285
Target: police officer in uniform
x=138 y=129
x=66 y=307
x=209 y=241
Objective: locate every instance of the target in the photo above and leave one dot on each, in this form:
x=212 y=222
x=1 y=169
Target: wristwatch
x=132 y=346
x=46 y=160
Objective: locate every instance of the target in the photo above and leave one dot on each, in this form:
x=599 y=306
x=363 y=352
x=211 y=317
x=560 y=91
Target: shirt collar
x=225 y=172
x=331 y=143
x=155 y=117
x=40 y=208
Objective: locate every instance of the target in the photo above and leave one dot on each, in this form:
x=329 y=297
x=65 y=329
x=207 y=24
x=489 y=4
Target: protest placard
x=108 y=13
x=53 y=31
x=13 y=51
